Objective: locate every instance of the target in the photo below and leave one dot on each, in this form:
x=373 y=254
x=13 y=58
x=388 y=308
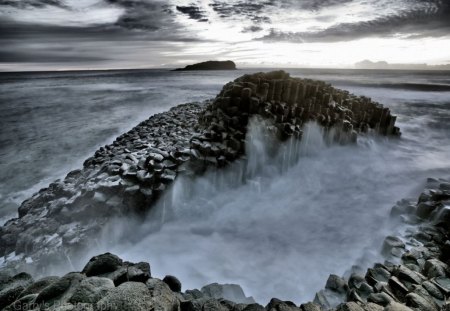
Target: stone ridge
x=127 y=177
x=419 y=282
x=123 y=178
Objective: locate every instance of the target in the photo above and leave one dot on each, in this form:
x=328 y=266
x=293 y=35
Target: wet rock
x=129 y=296
x=102 y=264
x=231 y=292
x=435 y=268
x=381 y=299
x=60 y=291
x=405 y=274
x=417 y=302
x=91 y=290
x=13 y=287
x=336 y=284
x=310 y=307
x=164 y=299
x=349 y=306
x=392 y=244
x=39 y=285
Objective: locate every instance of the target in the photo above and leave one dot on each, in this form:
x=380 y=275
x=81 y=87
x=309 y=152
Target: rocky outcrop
x=210 y=65
x=127 y=177
x=416 y=274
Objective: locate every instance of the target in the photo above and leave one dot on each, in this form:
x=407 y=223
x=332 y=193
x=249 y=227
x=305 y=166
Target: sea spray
x=277 y=222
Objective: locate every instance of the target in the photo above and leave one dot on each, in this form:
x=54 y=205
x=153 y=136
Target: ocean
x=280 y=235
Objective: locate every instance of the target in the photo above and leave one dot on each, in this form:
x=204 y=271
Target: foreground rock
x=416 y=274
x=127 y=177
x=414 y=277
x=210 y=65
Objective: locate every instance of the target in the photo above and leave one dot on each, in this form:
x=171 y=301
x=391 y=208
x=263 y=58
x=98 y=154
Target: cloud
x=253 y=28
x=144 y=15
x=248 y=9
x=312 y=5
x=31 y=3
x=46 y=57
x=193 y=12
x=431 y=20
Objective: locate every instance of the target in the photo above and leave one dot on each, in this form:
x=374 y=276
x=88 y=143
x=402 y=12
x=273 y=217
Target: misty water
x=277 y=223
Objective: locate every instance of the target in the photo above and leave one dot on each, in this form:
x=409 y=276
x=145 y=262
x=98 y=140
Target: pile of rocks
x=123 y=178
x=416 y=273
x=419 y=282
x=109 y=283
x=128 y=176
x=289 y=103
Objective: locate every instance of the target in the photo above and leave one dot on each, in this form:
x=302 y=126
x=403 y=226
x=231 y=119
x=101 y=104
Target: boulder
x=435 y=268
x=417 y=302
x=349 y=306
x=91 y=290
x=11 y=289
x=231 y=292
x=173 y=283
x=102 y=264
x=129 y=296
x=60 y=291
x=39 y=285
x=310 y=306
x=336 y=284
x=164 y=299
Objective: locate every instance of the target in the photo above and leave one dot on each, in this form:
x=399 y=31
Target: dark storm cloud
x=193 y=12
x=46 y=57
x=22 y=4
x=248 y=9
x=144 y=15
x=431 y=21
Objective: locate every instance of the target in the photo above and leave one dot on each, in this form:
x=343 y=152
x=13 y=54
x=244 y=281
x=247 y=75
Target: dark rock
x=336 y=284
x=381 y=299
x=231 y=292
x=58 y=292
x=390 y=244
x=102 y=264
x=310 y=307
x=11 y=289
x=173 y=283
x=39 y=285
x=349 y=306
x=417 y=302
x=435 y=268
x=23 y=304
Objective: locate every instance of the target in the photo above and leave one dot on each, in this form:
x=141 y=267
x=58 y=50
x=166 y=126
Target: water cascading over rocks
x=127 y=177
x=289 y=103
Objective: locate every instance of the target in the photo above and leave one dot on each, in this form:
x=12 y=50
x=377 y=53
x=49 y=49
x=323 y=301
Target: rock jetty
x=210 y=65
x=127 y=177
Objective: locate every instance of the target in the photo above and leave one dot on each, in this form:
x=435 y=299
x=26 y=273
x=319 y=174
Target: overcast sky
x=99 y=34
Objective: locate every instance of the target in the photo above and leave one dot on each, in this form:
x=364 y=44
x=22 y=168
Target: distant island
x=367 y=64
x=210 y=65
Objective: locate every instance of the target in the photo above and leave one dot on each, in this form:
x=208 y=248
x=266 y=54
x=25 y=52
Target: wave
x=277 y=223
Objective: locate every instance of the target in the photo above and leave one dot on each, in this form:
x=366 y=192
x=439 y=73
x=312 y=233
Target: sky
x=109 y=34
